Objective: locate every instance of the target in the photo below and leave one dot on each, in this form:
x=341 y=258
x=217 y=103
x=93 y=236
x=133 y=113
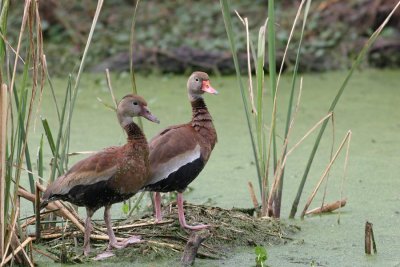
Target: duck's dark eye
x=135 y=103
x=197 y=80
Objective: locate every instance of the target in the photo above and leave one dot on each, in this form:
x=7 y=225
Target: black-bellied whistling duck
x=180 y=152
x=109 y=176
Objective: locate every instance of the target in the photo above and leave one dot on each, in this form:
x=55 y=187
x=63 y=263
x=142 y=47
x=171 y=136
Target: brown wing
x=98 y=167
x=171 y=149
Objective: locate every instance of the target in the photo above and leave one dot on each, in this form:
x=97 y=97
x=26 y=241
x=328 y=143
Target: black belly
x=180 y=179
x=94 y=196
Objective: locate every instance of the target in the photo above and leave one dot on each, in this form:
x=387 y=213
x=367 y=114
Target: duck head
x=133 y=106
x=197 y=84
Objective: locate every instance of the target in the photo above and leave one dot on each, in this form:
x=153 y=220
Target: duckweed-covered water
x=369 y=108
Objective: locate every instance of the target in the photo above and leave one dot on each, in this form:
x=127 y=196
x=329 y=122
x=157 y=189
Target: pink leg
x=88 y=229
x=182 y=219
x=157 y=206
x=113 y=241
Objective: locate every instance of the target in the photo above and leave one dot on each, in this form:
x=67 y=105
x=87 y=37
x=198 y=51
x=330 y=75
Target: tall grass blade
x=347 y=139
x=59 y=158
x=355 y=65
x=40 y=165
x=49 y=136
x=82 y=64
x=3 y=164
x=21 y=32
x=260 y=91
x=131 y=47
x=278 y=199
x=77 y=83
x=346 y=161
x=131 y=43
x=22 y=146
x=272 y=69
x=110 y=88
x=3 y=30
x=51 y=88
x=231 y=36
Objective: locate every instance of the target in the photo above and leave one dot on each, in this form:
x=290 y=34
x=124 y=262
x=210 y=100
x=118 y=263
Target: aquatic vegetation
x=263 y=135
x=261 y=256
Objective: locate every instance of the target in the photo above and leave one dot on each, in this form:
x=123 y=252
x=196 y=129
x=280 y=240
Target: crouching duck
x=109 y=176
x=179 y=153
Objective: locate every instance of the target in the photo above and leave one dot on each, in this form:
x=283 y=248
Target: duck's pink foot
x=106 y=254
x=86 y=250
x=181 y=216
x=157 y=206
x=126 y=242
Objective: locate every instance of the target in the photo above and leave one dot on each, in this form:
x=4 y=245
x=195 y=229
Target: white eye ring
x=197 y=80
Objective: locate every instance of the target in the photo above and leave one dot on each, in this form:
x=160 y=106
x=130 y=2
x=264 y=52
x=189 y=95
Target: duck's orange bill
x=207 y=88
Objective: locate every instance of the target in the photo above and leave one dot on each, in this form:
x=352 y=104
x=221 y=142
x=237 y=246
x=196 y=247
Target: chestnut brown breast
x=107 y=177
x=179 y=153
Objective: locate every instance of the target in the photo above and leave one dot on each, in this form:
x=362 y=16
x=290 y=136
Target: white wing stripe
x=165 y=169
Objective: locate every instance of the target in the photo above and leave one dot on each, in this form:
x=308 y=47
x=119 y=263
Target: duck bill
x=207 y=88
x=147 y=114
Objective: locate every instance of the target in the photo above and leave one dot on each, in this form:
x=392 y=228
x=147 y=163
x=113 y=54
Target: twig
x=44 y=253
x=139 y=225
x=347 y=138
x=15 y=251
x=328 y=207
x=37 y=212
x=32 y=219
x=92 y=236
x=12 y=228
x=111 y=89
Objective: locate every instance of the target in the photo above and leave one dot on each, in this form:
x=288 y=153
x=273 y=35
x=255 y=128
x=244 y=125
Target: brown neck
x=202 y=122
x=201 y=118
x=200 y=112
x=134 y=132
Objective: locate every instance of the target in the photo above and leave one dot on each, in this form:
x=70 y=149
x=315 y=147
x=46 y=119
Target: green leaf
x=261 y=255
x=49 y=136
x=125 y=208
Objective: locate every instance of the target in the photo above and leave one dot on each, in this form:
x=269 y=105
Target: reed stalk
x=272 y=70
x=3 y=164
x=278 y=198
x=355 y=65
x=345 y=140
x=225 y=7
x=131 y=54
x=19 y=105
x=264 y=148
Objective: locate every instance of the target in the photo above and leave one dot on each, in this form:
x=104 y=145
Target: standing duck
x=179 y=153
x=109 y=176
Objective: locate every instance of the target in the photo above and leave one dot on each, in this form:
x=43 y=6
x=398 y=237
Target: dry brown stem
x=253 y=195
x=128 y=226
x=347 y=138
x=328 y=207
x=18 y=249
x=64 y=212
x=369 y=239
x=44 y=253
